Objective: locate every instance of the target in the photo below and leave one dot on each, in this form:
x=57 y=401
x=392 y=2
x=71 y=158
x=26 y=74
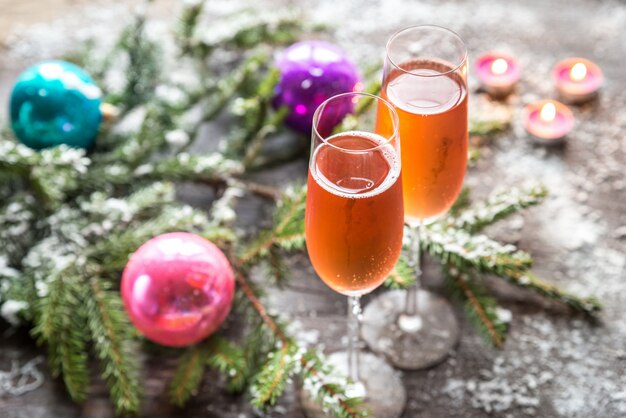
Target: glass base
x=410 y=342
x=384 y=392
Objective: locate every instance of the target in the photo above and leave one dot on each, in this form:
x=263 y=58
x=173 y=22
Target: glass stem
x=354 y=332
x=415 y=262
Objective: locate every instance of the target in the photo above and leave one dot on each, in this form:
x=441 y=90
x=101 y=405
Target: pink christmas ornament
x=177 y=288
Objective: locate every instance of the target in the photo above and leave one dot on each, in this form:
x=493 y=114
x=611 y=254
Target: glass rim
x=408 y=28
x=389 y=139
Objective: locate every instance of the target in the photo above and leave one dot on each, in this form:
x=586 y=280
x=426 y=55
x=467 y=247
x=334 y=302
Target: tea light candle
x=577 y=79
x=548 y=121
x=498 y=73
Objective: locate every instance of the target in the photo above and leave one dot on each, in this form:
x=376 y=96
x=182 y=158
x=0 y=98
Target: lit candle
x=548 y=121
x=498 y=73
x=577 y=79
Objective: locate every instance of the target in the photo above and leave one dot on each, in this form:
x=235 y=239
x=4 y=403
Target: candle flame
x=548 y=112
x=578 y=71
x=499 y=66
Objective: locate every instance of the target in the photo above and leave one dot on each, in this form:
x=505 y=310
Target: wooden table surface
x=554 y=364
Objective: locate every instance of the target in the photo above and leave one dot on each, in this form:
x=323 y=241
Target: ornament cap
x=109 y=112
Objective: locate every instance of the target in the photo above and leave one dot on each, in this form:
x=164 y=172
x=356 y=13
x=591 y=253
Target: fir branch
x=16 y=158
x=288 y=231
x=112 y=254
x=58 y=324
x=402 y=276
x=253 y=112
x=259 y=340
x=111 y=334
x=19 y=227
x=196 y=167
x=281 y=31
x=229 y=360
x=271 y=381
x=113 y=168
x=248 y=291
x=216 y=352
x=49 y=172
x=188 y=21
x=473 y=155
x=498 y=206
x=295 y=148
x=234 y=82
x=188 y=375
x=263 y=190
x=528 y=280
x=269 y=128
x=461 y=203
x=289 y=359
x=110 y=215
x=225 y=89
x=289 y=216
x=463 y=250
x=253 y=32
x=328 y=389
x=351 y=121
x=487 y=127
x=456 y=246
x=480 y=308
x=144 y=69
x=277 y=268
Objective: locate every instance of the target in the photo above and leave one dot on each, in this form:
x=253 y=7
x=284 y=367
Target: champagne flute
x=354 y=223
x=425 y=78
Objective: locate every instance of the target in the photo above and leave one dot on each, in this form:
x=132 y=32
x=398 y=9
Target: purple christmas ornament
x=311 y=72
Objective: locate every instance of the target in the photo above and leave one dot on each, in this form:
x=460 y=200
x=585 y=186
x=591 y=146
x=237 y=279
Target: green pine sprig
x=287 y=232
x=329 y=389
x=402 y=276
x=188 y=375
x=498 y=206
x=112 y=335
x=231 y=361
x=272 y=380
x=528 y=280
x=143 y=71
x=488 y=127
x=59 y=322
x=481 y=308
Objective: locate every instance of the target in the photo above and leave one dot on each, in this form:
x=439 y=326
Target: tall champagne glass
x=425 y=79
x=354 y=222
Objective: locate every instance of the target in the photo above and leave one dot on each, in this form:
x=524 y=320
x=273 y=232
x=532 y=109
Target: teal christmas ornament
x=53 y=103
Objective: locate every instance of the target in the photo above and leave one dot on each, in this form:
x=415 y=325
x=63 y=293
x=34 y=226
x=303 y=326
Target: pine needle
x=271 y=381
x=230 y=360
x=288 y=230
x=402 y=276
x=498 y=206
x=111 y=334
x=461 y=203
x=528 y=280
x=481 y=309
x=188 y=375
x=487 y=127
x=59 y=324
x=329 y=389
